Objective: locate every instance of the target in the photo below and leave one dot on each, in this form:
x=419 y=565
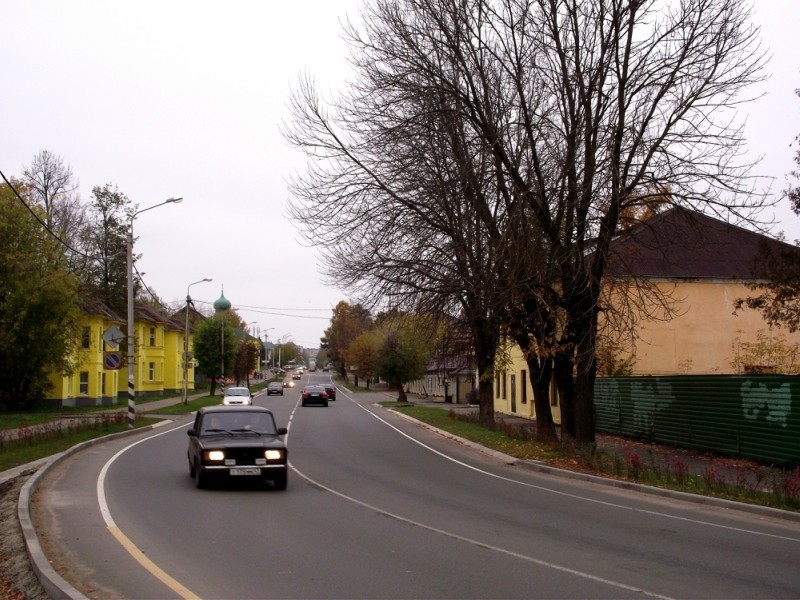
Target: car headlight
x=214 y=455
x=273 y=454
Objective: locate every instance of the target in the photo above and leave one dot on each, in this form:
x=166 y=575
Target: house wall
x=513 y=392
x=150 y=360
x=704 y=337
x=173 y=365
x=91 y=384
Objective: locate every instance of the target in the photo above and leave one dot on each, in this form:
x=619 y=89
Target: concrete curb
x=55 y=585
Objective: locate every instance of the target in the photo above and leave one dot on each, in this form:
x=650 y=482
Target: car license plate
x=246 y=471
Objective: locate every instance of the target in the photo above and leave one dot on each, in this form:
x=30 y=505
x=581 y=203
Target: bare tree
x=468 y=119
x=49 y=182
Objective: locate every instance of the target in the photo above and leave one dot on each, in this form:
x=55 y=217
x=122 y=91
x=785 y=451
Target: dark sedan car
x=237 y=442
x=331 y=390
x=275 y=387
x=314 y=394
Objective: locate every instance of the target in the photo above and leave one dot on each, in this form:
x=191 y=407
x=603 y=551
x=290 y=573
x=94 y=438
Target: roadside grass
x=772 y=488
x=474 y=431
x=40 y=442
x=48 y=431
x=192 y=405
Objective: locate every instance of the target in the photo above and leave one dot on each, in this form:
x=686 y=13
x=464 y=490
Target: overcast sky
x=167 y=98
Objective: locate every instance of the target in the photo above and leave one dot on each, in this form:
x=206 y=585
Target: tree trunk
x=566 y=392
x=540 y=382
x=401 y=393
x=486 y=407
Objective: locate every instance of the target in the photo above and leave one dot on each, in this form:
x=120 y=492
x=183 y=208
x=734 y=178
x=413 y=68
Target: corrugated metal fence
x=755 y=417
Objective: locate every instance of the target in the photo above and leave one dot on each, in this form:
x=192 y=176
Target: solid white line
x=530 y=559
x=126 y=543
x=576 y=496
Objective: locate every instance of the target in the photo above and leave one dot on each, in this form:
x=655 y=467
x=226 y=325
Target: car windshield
x=256 y=422
x=237 y=392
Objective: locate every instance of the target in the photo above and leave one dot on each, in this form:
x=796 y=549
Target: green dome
x=222 y=303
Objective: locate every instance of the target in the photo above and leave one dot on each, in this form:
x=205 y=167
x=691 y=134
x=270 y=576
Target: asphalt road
x=378 y=507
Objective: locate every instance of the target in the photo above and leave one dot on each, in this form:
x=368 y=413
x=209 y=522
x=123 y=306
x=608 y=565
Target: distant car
x=237 y=396
x=296 y=375
x=275 y=387
x=237 y=442
x=314 y=394
x=331 y=391
x=288 y=383
x=325 y=369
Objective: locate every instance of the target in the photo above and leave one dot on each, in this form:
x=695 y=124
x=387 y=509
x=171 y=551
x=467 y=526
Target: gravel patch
x=18 y=580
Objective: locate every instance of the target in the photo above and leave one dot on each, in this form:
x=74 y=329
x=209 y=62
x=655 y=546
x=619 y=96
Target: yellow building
x=101 y=372
x=682 y=272
x=92 y=384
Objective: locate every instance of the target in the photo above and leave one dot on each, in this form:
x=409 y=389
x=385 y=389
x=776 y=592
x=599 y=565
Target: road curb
x=55 y=585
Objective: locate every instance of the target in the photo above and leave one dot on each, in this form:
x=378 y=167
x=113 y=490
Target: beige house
x=683 y=272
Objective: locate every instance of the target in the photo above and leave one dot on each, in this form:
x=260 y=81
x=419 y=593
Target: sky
x=185 y=99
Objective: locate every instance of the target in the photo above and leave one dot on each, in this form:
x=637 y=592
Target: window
x=505 y=385
x=151 y=369
x=103 y=383
x=86 y=338
x=524 y=380
x=83 y=388
x=152 y=336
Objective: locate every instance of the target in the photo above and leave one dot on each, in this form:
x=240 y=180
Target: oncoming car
x=237 y=442
x=237 y=396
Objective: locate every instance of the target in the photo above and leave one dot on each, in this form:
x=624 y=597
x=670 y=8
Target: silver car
x=237 y=396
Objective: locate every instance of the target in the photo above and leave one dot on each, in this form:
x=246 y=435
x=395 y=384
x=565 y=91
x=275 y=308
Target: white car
x=237 y=396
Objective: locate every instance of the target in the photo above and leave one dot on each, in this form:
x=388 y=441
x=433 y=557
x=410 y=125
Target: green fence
x=754 y=417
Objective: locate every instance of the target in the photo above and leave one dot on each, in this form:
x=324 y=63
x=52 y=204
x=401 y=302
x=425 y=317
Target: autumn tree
x=347 y=323
x=245 y=360
x=363 y=354
x=402 y=358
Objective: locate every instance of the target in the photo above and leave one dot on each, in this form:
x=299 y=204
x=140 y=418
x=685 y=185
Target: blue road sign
x=112 y=360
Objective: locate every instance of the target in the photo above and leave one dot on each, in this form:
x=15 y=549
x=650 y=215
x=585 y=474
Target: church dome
x=222 y=303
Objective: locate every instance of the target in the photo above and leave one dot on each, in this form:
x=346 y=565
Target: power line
x=42 y=223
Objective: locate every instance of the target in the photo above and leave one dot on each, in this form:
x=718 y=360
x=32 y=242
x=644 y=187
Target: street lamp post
x=266 y=340
x=186 y=342
x=131 y=330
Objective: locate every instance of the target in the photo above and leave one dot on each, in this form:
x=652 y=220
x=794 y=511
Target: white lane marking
x=576 y=496
x=461 y=538
x=126 y=543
